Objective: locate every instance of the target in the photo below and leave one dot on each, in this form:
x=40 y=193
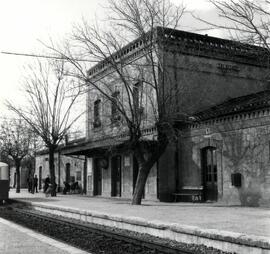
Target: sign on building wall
x=127 y=161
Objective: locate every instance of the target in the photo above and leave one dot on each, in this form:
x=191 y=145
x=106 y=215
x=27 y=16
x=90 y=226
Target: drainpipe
x=59 y=188
x=176 y=166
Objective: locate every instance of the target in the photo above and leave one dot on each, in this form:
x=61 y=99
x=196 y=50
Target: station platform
x=16 y=239
x=233 y=229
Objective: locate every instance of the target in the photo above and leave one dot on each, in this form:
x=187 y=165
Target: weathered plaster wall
x=242 y=144
x=202 y=82
x=127 y=175
x=167 y=173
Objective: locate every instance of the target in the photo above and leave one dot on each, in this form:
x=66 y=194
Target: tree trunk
x=140 y=183
x=18 y=177
x=145 y=165
x=52 y=149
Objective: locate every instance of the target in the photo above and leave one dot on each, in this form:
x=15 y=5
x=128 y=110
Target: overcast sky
x=24 y=23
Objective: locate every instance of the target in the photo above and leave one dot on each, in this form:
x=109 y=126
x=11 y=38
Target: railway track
x=95 y=238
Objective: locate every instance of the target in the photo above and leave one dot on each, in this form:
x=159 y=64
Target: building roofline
x=192 y=43
x=243 y=104
x=60 y=147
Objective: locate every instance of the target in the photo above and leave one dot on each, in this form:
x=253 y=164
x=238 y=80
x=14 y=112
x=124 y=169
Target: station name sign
x=228 y=67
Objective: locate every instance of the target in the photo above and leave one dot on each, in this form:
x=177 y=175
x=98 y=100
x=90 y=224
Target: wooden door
x=116 y=176
x=97 y=178
x=40 y=177
x=209 y=162
x=68 y=173
x=84 y=176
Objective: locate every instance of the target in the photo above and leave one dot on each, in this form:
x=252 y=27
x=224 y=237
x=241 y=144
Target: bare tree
x=247 y=21
x=129 y=84
x=16 y=142
x=51 y=97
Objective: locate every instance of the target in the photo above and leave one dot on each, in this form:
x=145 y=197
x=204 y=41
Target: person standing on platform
x=29 y=183
x=35 y=184
x=46 y=183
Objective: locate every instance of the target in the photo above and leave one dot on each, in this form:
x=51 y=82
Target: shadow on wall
x=246 y=153
x=250 y=197
x=190 y=173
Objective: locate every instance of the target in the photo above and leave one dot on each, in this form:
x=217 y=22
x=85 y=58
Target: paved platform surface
x=16 y=239
x=244 y=220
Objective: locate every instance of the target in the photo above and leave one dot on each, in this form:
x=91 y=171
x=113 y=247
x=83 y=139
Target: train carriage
x=4 y=181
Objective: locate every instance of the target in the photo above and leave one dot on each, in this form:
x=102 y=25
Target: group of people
x=48 y=186
x=47 y=183
x=71 y=188
x=32 y=184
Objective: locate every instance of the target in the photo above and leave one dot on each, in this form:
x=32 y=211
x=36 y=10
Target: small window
x=97 y=108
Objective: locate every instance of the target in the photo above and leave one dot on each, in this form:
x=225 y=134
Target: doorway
x=84 y=176
x=97 y=178
x=116 y=176
x=209 y=166
x=40 y=178
x=68 y=172
x=15 y=180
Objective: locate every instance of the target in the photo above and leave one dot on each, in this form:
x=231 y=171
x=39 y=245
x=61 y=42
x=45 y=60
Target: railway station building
x=221 y=153
x=68 y=169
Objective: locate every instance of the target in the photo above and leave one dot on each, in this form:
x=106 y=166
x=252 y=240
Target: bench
x=194 y=196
